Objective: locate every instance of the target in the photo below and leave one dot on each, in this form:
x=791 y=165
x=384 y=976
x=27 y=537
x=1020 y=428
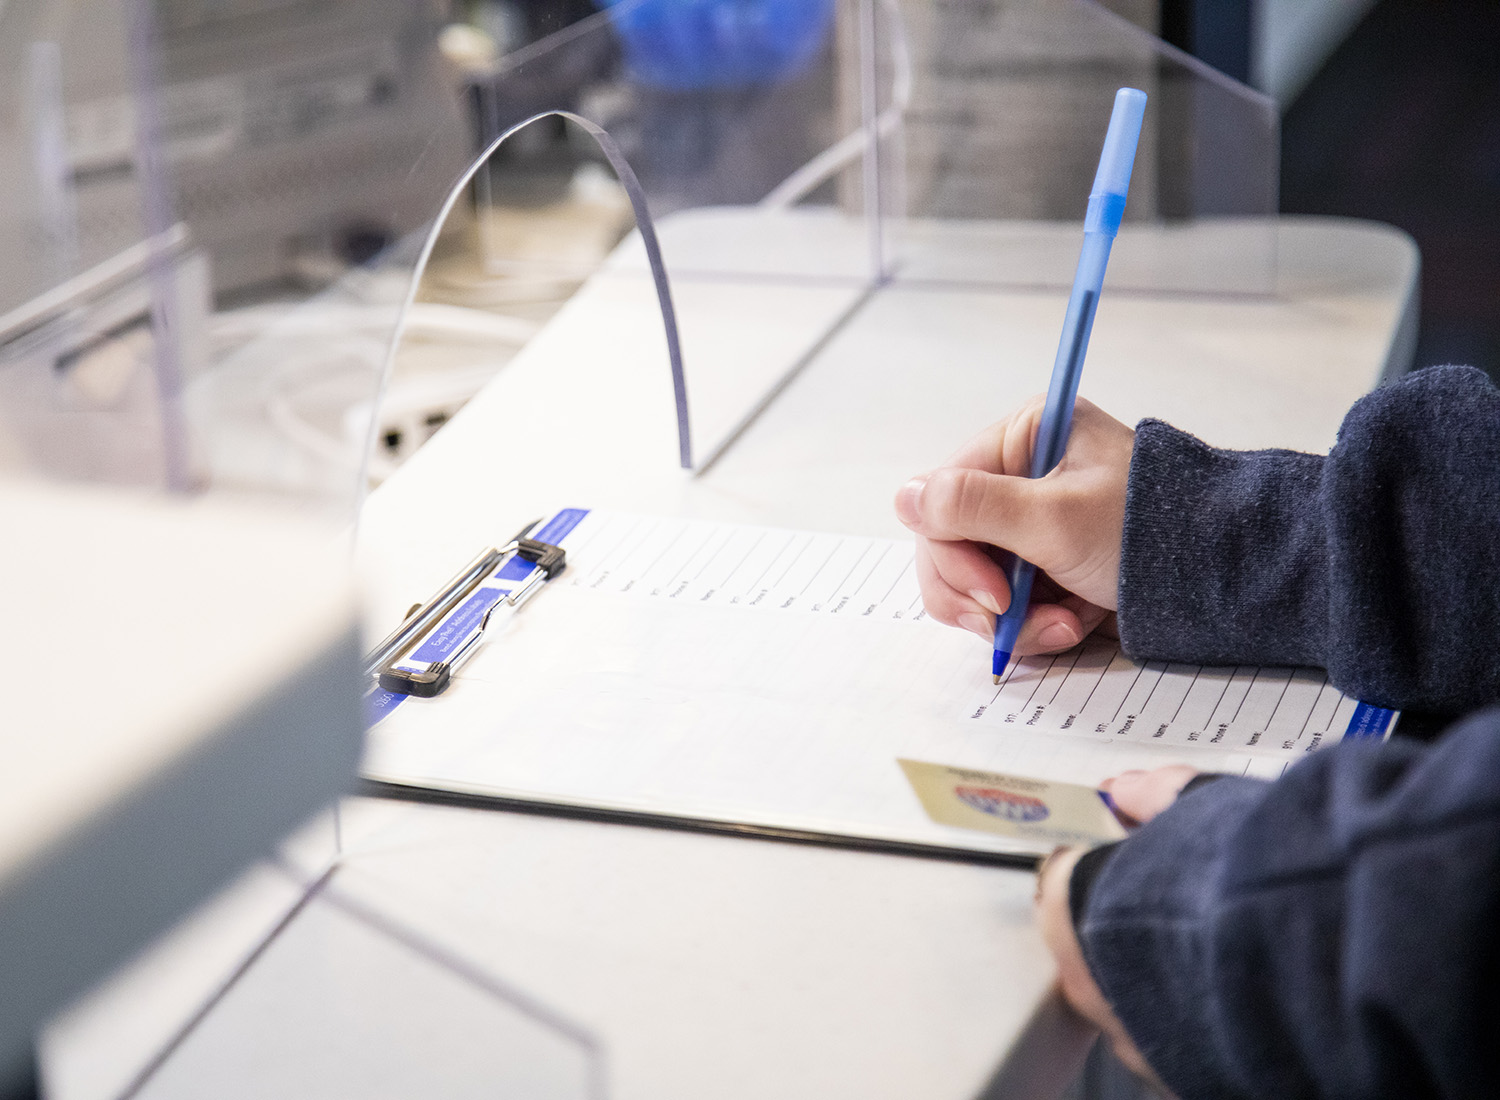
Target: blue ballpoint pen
x=1100 y=224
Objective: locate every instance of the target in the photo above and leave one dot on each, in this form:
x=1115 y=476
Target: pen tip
x=998 y=665
x=997 y=678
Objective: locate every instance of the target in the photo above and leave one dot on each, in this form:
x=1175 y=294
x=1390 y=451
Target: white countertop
x=705 y=966
x=181 y=695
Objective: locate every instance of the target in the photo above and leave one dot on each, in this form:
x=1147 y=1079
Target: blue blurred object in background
x=689 y=44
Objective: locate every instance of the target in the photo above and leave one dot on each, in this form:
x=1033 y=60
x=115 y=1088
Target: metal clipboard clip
x=424 y=618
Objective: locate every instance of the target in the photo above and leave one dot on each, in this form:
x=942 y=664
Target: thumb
x=955 y=503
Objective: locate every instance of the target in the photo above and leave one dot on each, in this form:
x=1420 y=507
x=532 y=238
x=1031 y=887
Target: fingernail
x=1058 y=634
x=979 y=624
x=985 y=600
x=909 y=501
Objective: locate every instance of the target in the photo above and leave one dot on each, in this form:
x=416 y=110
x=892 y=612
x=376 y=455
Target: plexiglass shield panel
x=204 y=207
x=792 y=158
x=251 y=187
x=1009 y=103
x=86 y=280
x=308 y=148
x=381 y=1013
x=717 y=110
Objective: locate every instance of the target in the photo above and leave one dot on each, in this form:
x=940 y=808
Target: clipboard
x=767 y=683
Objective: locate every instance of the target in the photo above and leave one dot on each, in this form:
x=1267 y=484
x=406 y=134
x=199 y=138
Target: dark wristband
x=1202 y=779
x=1085 y=871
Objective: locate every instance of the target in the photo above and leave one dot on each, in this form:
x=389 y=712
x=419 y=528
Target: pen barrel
x=1078 y=323
x=1008 y=626
x=1106 y=209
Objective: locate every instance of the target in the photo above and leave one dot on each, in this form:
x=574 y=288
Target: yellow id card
x=1036 y=810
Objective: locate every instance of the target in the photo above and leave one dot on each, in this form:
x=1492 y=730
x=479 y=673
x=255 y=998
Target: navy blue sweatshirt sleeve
x=1335 y=933
x=1379 y=562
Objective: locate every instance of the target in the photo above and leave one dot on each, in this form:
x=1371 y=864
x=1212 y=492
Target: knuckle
x=960 y=499
x=938 y=497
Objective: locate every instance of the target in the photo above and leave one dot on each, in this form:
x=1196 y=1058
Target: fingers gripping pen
x=1101 y=223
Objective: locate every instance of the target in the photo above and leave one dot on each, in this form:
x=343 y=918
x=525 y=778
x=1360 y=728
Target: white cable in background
x=326 y=341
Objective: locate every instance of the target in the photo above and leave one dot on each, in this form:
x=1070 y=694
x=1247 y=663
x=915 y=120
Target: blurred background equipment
x=720 y=43
x=162 y=158
x=289 y=126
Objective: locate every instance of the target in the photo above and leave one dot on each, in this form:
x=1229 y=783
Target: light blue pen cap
x=1107 y=199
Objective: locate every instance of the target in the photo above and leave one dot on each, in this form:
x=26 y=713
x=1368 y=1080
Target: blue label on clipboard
x=379 y=703
x=516 y=569
x=558 y=526
x=557 y=529
x=441 y=643
x=1368 y=721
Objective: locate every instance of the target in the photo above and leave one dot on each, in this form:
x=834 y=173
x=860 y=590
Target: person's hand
x=1073 y=978
x=1068 y=524
x=1138 y=796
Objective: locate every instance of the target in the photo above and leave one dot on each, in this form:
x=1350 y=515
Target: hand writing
x=1069 y=524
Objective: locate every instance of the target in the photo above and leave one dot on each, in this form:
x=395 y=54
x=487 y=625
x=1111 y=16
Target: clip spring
x=548 y=561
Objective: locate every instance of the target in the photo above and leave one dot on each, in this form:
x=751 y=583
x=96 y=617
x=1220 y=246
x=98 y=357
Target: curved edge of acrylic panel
x=645 y=226
x=795 y=137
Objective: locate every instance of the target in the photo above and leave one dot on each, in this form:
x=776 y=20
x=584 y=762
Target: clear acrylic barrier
x=203 y=215
x=211 y=216
x=380 y=1012
x=177 y=163
x=1009 y=103
x=711 y=119
x=789 y=177
x=81 y=388
x=342 y=132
